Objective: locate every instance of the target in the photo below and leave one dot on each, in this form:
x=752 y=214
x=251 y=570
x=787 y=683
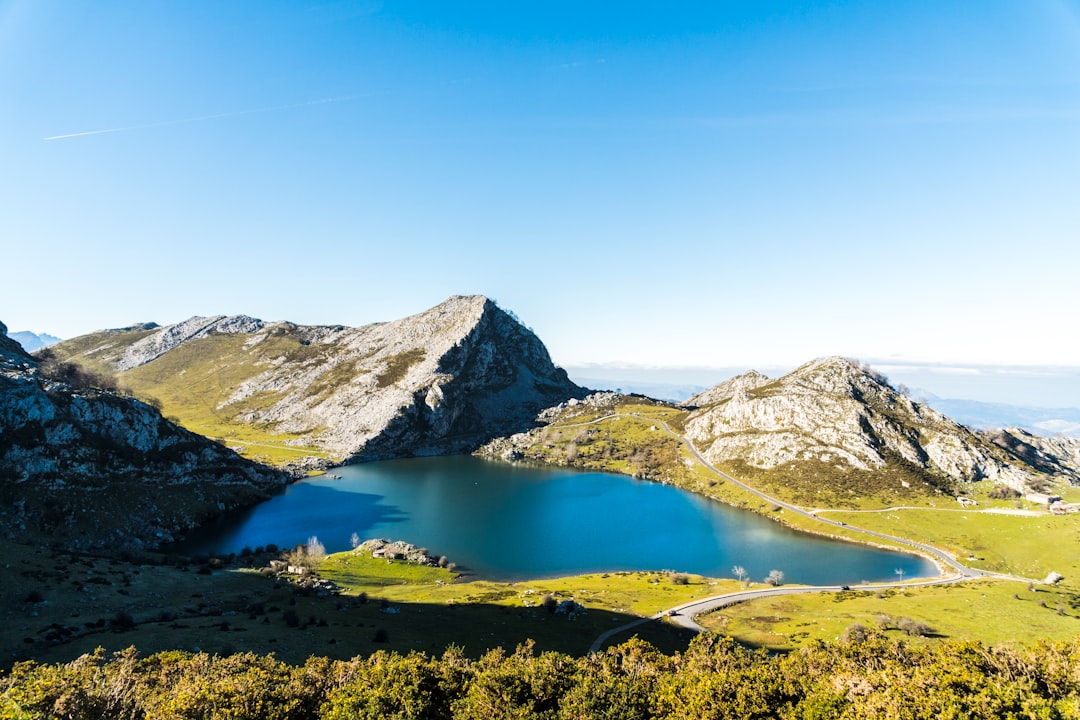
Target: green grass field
x=1029 y=547
x=991 y=611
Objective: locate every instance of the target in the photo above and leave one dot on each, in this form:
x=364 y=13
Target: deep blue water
x=509 y=522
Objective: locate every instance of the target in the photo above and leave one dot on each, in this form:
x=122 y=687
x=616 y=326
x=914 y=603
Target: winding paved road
x=684 y=614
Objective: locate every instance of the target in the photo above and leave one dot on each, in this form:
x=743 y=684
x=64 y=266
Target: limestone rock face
x=92 y=469
x=168 y=338
x=1056 y=456
x=834 y=411
x=441 y=381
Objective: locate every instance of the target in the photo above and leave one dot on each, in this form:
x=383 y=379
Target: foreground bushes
x=714 y=678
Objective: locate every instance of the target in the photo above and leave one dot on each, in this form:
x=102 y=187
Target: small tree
x=354 y=541
x=315 y=551
x=740 y=574
x=308 y=556
x=900 y=572
x=913 y=627
x=775 y=577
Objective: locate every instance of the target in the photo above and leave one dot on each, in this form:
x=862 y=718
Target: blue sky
x=711 y=184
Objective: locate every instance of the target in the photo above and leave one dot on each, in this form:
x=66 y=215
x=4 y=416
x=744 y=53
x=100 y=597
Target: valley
x=830 y=449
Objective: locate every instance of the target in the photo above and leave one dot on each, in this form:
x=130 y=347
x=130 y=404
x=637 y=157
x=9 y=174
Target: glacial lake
x=508 y=522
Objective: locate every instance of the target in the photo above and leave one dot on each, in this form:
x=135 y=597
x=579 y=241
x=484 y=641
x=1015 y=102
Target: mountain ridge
x=440 y=381
x=92 y=469
x=835 y=411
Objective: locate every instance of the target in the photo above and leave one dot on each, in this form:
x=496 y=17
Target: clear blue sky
x=714 y=183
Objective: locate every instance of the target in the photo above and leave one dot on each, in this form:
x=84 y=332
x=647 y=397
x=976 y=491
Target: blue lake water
x=509 y=522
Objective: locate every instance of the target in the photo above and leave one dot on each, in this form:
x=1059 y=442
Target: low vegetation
x=870 y=676
x=816 y=484
x=398 y=366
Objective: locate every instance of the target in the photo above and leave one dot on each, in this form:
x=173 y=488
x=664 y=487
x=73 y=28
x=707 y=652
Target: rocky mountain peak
x=840 y=413
x=839 y=376
x=738 y=385
x=1058 y=456
x=443 y=380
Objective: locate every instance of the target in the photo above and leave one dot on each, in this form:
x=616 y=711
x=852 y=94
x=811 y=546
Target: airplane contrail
x=215 y=116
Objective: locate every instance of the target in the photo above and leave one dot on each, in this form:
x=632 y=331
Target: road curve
x=939 y=556
x=684 y=614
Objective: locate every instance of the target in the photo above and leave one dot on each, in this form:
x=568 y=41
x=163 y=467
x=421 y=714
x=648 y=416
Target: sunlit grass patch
x=988 y=611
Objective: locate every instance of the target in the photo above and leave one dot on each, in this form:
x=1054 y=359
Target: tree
x=308 y=556
x=740 y=574
x=315 y=551
x=775 y=577
x=354 y=541
x=900 y=572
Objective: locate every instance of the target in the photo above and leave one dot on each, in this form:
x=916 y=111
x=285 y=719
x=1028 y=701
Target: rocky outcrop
x=442 y=381
x=836 y=412
x=400 y=550
x=1057 y=456
x=169 y=338
x=86 y=468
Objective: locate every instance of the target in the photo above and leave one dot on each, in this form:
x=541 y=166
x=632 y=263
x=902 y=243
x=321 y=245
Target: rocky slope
x=442 y=381
x=834 y=412
x=86 y=468
x=1057 y=456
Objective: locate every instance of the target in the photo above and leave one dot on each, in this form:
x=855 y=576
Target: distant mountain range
x=985 y=416
x=33 y=341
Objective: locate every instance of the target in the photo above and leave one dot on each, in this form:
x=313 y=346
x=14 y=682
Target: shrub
x=855 y=633
x=122 y=621
x=1004 y=492
x=913 y=627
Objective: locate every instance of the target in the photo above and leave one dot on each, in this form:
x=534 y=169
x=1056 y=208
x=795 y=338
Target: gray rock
x=93 y=469
x=441 y=381
x=834 y=411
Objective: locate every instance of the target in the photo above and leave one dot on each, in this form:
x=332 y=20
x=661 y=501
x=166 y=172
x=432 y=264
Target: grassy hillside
x=193 y=383
x=991 y=612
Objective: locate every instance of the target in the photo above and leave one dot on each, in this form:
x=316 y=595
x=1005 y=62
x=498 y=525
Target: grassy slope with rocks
x=441 y=381
x=616 y=433
x=87 y=467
